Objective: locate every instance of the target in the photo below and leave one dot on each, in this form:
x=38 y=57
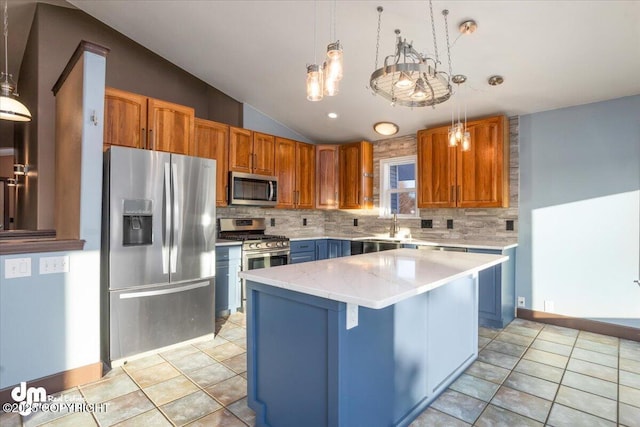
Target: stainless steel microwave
x=252 y=190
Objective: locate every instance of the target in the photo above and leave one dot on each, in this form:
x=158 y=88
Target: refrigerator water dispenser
x=137 y=222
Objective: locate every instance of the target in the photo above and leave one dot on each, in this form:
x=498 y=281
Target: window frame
x=385 y=191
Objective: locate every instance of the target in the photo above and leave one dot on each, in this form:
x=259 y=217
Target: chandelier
x=410 y=78
x=10 y=107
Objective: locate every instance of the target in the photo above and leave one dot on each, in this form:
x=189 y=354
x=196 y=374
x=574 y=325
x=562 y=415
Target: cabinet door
x=125 y=118
x=326 y=176
x=171 y=127
x=334 y=249
x=322 y=249
x=305 y=166
x=356 y=175
x=436 y=169
x=285 y=170
x=212 y=142
x=482 y=172
x=240 y=149
x=263 y=154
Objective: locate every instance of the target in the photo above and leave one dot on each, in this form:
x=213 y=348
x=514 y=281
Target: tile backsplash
x=468 y=224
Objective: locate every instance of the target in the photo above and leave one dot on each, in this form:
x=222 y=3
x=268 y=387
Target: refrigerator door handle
x=176 y=220
x=165 y=291
x=166 y=232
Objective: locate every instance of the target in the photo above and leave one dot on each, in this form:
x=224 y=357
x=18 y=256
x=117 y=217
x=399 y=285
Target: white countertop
x=375 y=280
x=469 y=244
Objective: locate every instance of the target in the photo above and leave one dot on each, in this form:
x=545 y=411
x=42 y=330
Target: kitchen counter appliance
x=158 y=254
x=259 y=250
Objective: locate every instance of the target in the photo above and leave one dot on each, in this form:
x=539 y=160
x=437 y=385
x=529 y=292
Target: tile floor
x=527 y=374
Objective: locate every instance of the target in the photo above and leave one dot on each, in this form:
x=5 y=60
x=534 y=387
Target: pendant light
x=10 y=107
x=315 y=82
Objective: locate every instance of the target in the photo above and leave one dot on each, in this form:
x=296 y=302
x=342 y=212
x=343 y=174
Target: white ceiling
x=552 y=54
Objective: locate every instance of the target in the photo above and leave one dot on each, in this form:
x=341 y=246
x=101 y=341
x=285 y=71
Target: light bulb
x=458 y=132
x=419 y=92
x=453 y=142
x=314 y=83
x=404 y=81
x=466 y=142
x=334 y=63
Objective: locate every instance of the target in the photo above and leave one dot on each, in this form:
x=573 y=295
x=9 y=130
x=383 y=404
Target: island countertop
x=375 y=280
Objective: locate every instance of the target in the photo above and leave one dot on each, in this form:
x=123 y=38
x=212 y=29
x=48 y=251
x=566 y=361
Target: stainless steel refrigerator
x=158 y=250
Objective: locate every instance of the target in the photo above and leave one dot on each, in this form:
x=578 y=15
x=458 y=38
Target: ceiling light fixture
x=495 y=80
x=386 y=128
x=410 y=78
x=315 y=82
x=10 y=107
x=332 y=115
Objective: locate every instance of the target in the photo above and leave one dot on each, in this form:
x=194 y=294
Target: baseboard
x=620 y=331
x=60 y=381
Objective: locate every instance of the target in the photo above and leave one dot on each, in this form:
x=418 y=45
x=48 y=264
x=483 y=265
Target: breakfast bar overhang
x=367 y=340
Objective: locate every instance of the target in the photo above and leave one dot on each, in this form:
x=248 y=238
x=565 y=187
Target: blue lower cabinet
x=346 y=247
x=302 y=251
x=227 y=297
x=496 y=290
x=322 y=249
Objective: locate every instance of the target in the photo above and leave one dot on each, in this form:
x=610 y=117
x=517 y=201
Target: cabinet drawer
x=303 y=245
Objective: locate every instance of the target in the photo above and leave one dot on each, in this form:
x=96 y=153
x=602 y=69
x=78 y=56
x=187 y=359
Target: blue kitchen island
x=367 y=340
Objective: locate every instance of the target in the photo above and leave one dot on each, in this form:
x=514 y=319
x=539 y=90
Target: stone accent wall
x=468 y=224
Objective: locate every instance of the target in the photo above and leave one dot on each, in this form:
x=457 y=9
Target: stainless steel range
x=259 y=250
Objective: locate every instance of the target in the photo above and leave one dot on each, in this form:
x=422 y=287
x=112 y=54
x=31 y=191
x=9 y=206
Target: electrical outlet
x=426 y=223
x=54 y=264
x=273 y=222
x=355 y=222
x=304 y=221
x=520 y=301
x=450 y=224
x=549 y=306
x=509 y=225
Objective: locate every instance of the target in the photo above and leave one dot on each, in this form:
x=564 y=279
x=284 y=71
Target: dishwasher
x=443 y=248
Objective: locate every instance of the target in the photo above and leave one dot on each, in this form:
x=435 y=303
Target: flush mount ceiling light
x=10 y=107
x=410 y=78
x=495 y=80
x=386 y=128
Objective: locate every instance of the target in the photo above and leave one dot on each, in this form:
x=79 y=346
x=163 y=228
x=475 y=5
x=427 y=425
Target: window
x=398 y=187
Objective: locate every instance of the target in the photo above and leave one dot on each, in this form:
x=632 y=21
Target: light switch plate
x=54 y=264
x=17 y=267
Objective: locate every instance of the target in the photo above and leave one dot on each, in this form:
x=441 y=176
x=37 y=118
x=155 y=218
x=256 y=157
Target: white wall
x=579 y=238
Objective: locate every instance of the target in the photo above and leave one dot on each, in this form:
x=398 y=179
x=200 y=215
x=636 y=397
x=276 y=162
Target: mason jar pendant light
x=333 y=65
x=315 y=81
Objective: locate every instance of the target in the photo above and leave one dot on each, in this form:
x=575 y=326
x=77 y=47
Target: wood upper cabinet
x=125 y=119
x=251 y=152
x=295 y=170
x=134 y=120
x=327 y=176
x=356 y=175
x=171 y=127
x=212 y=142
x=478 y=178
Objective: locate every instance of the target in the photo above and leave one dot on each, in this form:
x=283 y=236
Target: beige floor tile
x=540 y=370
x=602 y=339
x=229 y=391
x=72 y=396
x=111 y=388
x=630 y=365
x=563 y=416
x=145 y=362
x=532 y=385
x=494 y=416
x=432 y=417
x=521 y=330
x=630 y=349
x=561 y=330
x=124 y=407
x=225 y=351
x=587 y=402
x=219 y=418
x=179 y=353
x=487 y=371
x=522 y=403
x=629 y=379
x=154 y=374
x=150 y=418
x=590 y=384
x=242 y=411
x=10 y=419
x=233 y=333
x=238 y=363
x=629 y=415
x=557 y=338
x=630 y=396
x=76 y=419
x=593 y=369
x=170 y=390
x=241 y=343
x=193 y=361
x=552 y=347
x=204 y=345
x=498 y=359
x=238 y=318
x=596 y=346
x=459 y=405
x=545 y=357
x=514 y=338
x=189 y=408
x=475 y=387
x=506 y=348
x=527 y=324
x=211 y=374
x=488 y=332
x=595 y=357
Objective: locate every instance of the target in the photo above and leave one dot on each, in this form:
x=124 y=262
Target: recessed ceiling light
x=386 y=128
x=332 y=115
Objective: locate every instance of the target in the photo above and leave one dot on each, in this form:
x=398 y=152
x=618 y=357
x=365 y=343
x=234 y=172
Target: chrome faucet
x=394 y=226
